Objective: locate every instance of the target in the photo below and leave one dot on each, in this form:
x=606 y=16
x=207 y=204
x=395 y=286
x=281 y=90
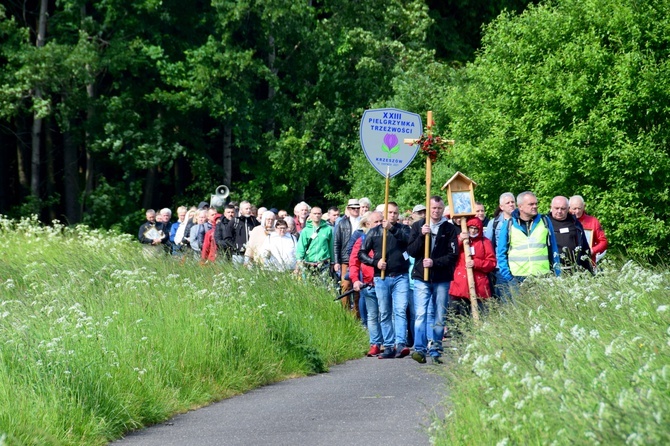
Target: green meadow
x=98 y=337
x=577 y=360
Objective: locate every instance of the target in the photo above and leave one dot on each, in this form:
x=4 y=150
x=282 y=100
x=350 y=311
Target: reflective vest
x=528 y=255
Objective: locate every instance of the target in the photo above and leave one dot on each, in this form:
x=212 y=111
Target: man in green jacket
x=315 y=245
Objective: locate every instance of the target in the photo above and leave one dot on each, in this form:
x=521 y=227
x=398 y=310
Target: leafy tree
x=571 y=97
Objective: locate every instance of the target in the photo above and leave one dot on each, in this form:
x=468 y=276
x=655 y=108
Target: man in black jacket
x=342 y=233
x=220 y=232
x=236 y=232
x=431 y=297
x=393 y=290
x=573 y=247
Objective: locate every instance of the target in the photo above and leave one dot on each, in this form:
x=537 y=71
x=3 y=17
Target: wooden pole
x=470 y=273
x=386 y=214
x=429 y=170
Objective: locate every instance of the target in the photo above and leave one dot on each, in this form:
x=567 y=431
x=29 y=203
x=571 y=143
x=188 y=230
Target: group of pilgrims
x=405 y=275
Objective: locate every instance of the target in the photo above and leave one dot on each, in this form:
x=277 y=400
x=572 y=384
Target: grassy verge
x=578 y=360
x=98 y=338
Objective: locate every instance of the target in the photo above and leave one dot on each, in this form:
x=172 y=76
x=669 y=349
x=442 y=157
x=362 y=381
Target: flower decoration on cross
x=433 y=145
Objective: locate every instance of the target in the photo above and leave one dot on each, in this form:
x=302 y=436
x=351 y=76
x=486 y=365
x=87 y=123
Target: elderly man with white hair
x=595 y=234
x=257 y=238
x=507 y=204
x=301 y=212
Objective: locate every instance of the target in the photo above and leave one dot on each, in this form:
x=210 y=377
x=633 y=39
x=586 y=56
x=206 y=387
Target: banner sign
x=382 y=133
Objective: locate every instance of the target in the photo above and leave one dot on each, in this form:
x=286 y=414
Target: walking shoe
x=389 y=353
x=419 y=357
x=374 y=351
x=402 y=351
x=437 y=360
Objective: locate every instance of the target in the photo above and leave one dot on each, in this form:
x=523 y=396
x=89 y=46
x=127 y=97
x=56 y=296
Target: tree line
x=109 y=108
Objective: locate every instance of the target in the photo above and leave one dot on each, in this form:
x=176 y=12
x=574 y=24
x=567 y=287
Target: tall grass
x=97 y=337
x=577 y=360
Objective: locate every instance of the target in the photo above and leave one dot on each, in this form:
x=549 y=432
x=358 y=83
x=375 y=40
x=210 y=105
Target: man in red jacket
x=595 y=234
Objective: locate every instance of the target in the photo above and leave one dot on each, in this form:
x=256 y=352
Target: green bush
x=568 y=98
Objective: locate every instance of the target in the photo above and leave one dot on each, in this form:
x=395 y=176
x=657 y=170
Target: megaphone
x=218 y=200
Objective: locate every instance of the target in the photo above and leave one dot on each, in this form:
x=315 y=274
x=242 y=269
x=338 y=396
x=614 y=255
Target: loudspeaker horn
x=219 y=199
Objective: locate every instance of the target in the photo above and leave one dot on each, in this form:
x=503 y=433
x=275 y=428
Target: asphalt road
x=368 y=401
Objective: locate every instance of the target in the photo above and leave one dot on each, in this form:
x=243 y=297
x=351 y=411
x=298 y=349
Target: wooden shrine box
x=460 y=195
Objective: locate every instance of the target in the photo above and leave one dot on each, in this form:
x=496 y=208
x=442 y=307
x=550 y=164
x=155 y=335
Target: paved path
x=362 y=402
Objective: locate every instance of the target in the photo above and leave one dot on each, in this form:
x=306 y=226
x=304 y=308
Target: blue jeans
x=392 y=293
x=411 y=316
x=508 y=289
x=362 y=307
x=372 y=306
x=431 y=301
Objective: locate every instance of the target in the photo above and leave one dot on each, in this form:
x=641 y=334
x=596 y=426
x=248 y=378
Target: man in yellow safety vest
x=527 y=245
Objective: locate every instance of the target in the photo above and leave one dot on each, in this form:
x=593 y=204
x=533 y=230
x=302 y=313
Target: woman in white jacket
x=278 y=250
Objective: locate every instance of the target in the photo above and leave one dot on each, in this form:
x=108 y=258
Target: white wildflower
x=662 y=308
x=535 y=329
x=578 y=332
x=506 y=394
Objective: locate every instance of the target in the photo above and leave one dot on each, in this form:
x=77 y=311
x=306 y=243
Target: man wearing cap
x=418 y=212
x=343 y=231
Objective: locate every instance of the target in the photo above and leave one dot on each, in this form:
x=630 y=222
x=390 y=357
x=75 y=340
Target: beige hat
x=419 y=208
x=353 y=203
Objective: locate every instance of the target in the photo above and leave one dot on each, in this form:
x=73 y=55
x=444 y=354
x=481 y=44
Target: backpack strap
x=309 y=242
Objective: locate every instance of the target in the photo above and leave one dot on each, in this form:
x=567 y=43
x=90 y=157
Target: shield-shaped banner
x=383 y=131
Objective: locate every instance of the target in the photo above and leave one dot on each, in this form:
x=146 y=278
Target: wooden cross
x=429 y=169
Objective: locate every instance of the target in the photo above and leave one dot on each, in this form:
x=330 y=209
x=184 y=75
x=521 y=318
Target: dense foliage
x=114 y=107
x=111 y=107
x=569 y=97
